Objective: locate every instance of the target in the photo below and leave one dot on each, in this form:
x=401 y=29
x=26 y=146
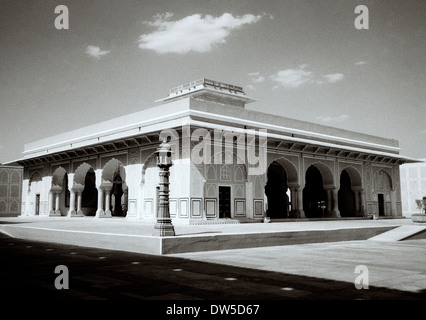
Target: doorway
x=276 y=191
x=224 y=202
x=314 y=195
x=381 y=200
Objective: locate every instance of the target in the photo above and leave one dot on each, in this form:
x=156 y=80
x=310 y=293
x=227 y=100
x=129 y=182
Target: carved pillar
x=57 y=198
x=100 y=210
x=362 y=204
x=79 y=212
x=56 y=193
x=393 y=203
x=71 y=211
x=300 y=202
x=51 y=198
x=104 y=210
x=108 y=202
x=335 y=213
x=329 y=202
x=125 y=201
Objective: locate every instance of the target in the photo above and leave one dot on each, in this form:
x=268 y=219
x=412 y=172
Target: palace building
x=229 y=163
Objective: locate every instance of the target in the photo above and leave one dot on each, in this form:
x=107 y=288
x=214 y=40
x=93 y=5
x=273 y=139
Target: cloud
x=334 y=119
x=360 y=63
x=196 y=33
x=334 y=77
x=256 y=77
x=96 y=52
x=292 y=78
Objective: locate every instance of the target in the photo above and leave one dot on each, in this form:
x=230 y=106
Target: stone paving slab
x=400 y=233
x=393 y=265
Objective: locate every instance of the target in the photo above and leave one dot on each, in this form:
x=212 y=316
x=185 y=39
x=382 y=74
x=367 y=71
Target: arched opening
x=118 y=198
x=60 y=192
x=276 y=191
x=113 y=182
x=314 y=196
x=346 y=196
x=89 y=196
x=383 y=190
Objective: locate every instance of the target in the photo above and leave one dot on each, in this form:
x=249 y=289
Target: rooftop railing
x=207 y=83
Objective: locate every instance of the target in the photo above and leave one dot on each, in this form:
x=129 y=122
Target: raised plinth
x=419 y=218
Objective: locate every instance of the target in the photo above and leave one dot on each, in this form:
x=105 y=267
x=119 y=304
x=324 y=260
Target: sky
x=302 y=59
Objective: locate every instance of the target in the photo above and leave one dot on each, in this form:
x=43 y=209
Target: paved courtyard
x=397 y=265
x=313 y=271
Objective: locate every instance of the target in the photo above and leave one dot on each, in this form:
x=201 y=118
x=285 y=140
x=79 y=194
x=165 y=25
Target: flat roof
x=193 y=109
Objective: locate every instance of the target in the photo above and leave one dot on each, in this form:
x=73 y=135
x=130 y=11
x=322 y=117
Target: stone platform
x=135 y=236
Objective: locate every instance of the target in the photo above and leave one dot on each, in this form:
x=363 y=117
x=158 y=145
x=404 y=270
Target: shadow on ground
x=27 y=272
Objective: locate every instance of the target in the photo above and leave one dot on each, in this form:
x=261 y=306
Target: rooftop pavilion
x=210 y=90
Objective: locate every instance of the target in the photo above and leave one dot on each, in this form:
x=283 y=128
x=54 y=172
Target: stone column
x=57 y=198
x=100 y=210
x=329 y=202
x=335 y=213
x=300 y=202
x=51 y=207
x=125 y=201
x=56 y=193
x=107 y=202
x=393 y=203
x=104 y=210
x=71 y=211
x=79 y=212
x=293 y=192
x=362 y=204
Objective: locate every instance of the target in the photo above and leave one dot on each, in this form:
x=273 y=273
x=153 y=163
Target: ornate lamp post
x=424 y=204
x=164 y=226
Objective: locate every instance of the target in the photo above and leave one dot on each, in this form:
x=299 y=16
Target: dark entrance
x=276 y=191
x=224 y=202
x=346 y=196
x=314 y=195
x=90 y=194
x=381 y=200
x=37 y=204
x=117 y=199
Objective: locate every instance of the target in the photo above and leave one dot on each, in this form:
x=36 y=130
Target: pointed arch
x=315 y=197
x=326 y=173
x=354 y=174
x=382 y=181
x=80 y=174
x=290 y=169
x=35 y=176
x=149 y=163
x=276 y=191
x=211 y=172
x=4 y=176
x=58 y=177
x=111 y=168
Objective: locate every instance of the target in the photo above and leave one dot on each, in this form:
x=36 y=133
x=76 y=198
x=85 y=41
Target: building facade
x=10 y=190
x=413 y=186
x=229 y=162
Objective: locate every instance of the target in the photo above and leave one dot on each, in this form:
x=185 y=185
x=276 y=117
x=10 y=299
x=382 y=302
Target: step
x=400 y=233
